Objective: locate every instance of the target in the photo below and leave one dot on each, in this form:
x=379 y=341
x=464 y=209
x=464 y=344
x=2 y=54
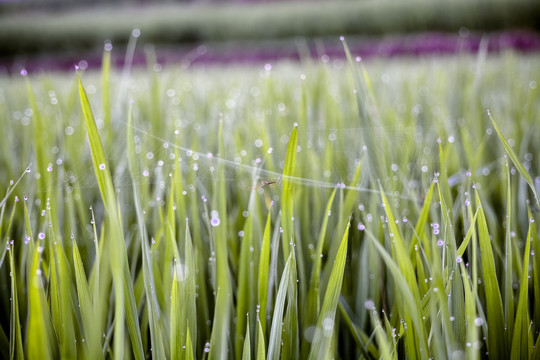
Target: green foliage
x=273 y=213
x=188 y=23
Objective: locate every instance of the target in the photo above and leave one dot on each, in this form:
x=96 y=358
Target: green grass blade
x=321 y=345
x=495 y=318
x=15 y=337
x=190 y=287
x=120 y=270
x=90 y=329
x=397 y=241
x=189 y=347
x=223 y=308
x=41 y=341
x=245 y=301
x=416 y=339
x=351 y=198
x=40 y=146
x=8 y=230
x=176 y=320
x=509 y=306
x=101 y=169
x=442 y=183
x=313 y=298
x=465 y=242
x=96 y=268
x=287 y=193
x=536 y=278
x=261 y=349
x=420 y=226
x=515 y=159
x=441 y=302
x=439 y=348
x=376 y=159
x=183 y=306
x=456 y=335
x=420 y=240
x=384 y=343
x=522 y=337
x=470 y=313
x=360 y=337
x=12 y=188
x=154 y=315
x=348 y=201
x=264 y=274
x=170 y=250
x=66 y=331
x=361 y=96
x=274 y=340
x=55 y=305
x=290 y=337
x=148 y=278
x=409 y=301
x=246 y=352
x=536 y=351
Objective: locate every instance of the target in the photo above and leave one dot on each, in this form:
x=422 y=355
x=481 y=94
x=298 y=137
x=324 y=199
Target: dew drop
x=215 y=221
x=328 y=324
x=369 y=304
x=478 y=321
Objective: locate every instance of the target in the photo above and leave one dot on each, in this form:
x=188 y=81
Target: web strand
x=269 y=174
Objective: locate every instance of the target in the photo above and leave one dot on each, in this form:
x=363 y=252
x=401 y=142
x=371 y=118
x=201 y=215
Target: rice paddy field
x=322 y=209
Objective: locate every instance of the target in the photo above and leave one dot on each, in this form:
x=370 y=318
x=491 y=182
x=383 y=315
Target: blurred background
x=56 y=34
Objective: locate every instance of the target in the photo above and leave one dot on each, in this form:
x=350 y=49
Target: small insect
x=264 y=183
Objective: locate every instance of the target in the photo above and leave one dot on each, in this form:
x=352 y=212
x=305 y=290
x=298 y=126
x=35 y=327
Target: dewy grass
x=286 y=211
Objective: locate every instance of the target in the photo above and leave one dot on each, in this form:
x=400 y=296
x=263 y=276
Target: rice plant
x=322 y=209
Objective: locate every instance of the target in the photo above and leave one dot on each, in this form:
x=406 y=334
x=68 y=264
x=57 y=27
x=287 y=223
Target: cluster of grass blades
x=353 y=212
